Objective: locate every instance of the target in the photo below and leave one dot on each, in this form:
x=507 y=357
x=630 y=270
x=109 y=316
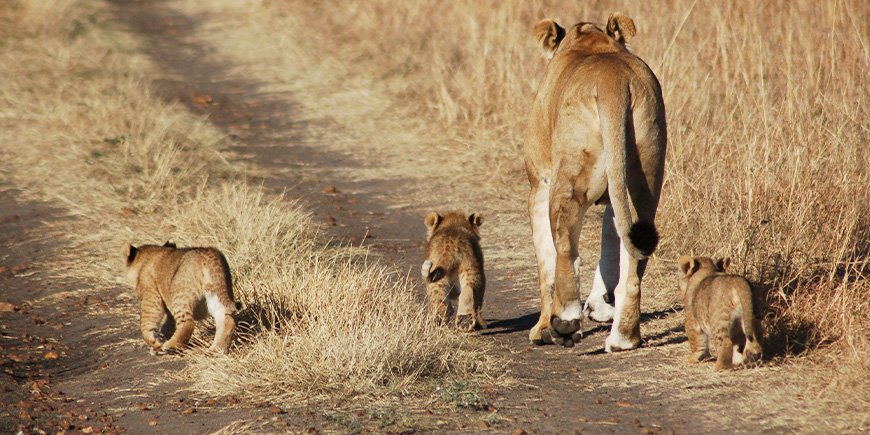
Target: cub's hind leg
x=151 y=314
x=723 y=354
x=439 y=294
x=698 y=346
x=222 y=310
x=471 y=288
x=182 y=310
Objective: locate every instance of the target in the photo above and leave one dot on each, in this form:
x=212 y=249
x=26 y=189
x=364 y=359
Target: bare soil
x=106 y=381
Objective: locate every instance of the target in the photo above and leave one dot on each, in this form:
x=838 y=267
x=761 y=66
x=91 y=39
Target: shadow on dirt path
x=556 y=388
x=67 y=363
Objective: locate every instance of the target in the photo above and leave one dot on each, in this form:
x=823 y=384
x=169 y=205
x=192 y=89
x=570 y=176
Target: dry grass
x=767 y=108
x=767 y=122
x=80 y=127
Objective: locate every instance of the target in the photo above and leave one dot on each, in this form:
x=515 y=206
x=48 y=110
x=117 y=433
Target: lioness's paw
x=616 y=342
x=598 y=306
x=551 y=336
x=565 y=327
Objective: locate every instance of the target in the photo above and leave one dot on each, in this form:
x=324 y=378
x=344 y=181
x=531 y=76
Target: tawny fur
x=453 y=269
x=596 y=135
x=719 y=313
x=186 y=284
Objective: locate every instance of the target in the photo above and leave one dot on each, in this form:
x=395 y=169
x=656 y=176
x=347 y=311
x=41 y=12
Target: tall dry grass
x=80 y=127
x=767 y=110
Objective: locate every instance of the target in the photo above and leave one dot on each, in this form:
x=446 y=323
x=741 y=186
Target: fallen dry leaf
x=202 y=100
x=624 y=404
x=6 y=307
x=50 y=355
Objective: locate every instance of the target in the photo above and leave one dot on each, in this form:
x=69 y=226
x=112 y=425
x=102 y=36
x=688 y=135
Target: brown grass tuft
x=80 y=126
x=767 y=108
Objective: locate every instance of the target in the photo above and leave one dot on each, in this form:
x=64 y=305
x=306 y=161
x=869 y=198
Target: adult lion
x=596 y=135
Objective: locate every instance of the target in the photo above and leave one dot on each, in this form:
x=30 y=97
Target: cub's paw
x=465 y=322
x=171 y=348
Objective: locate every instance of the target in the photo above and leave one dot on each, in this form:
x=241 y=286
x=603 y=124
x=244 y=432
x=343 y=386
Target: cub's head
x=552 y=37
x=137 y=256
x=695 y=269
x=435 y=221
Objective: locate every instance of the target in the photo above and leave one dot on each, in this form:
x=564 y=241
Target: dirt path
x=556 y=389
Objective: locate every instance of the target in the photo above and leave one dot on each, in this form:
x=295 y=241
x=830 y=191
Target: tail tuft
x=436 y=275
x=644 y=237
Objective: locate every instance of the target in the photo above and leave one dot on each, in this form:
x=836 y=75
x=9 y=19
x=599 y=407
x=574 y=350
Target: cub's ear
x=548 y=35
x=130 y=252
x=620 y=27
x=723 y=263
x=688 y=265
x=170 y=244
x=432 y=220
x=475 y=220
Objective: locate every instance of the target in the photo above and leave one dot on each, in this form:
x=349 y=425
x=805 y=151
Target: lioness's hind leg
x=599 y=304
x=545 y=252
x=625 y=331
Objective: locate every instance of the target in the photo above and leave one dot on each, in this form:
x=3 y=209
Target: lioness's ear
x=688 y=265
x=432 y=220
x=548 y=35
x=620 y=27
x=474 y=219
x=170 y=244
x=723 y=264
x=130 y=252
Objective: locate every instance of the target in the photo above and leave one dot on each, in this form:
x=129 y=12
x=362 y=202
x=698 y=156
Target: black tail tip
x=644 y=237
x=436 y=274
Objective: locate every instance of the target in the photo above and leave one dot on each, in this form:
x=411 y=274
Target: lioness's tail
x=614 y=106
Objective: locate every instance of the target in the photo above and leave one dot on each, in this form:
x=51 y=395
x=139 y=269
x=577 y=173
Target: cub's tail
x=752 y=350
x=430 y=273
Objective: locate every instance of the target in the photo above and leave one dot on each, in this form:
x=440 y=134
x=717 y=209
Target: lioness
x=453 y=269
x=183 y=283
x=719 y=312
x=596 y=135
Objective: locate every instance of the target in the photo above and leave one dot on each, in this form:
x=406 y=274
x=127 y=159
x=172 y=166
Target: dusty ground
x=63 y=369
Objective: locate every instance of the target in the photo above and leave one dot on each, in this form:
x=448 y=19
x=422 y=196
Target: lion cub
x=183 y=283
x=718 y=311
x=453 y=269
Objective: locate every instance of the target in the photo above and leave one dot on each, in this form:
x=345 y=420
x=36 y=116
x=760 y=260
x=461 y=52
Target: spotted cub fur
x=718 y=309
x=453 y=270
x=184 y=284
